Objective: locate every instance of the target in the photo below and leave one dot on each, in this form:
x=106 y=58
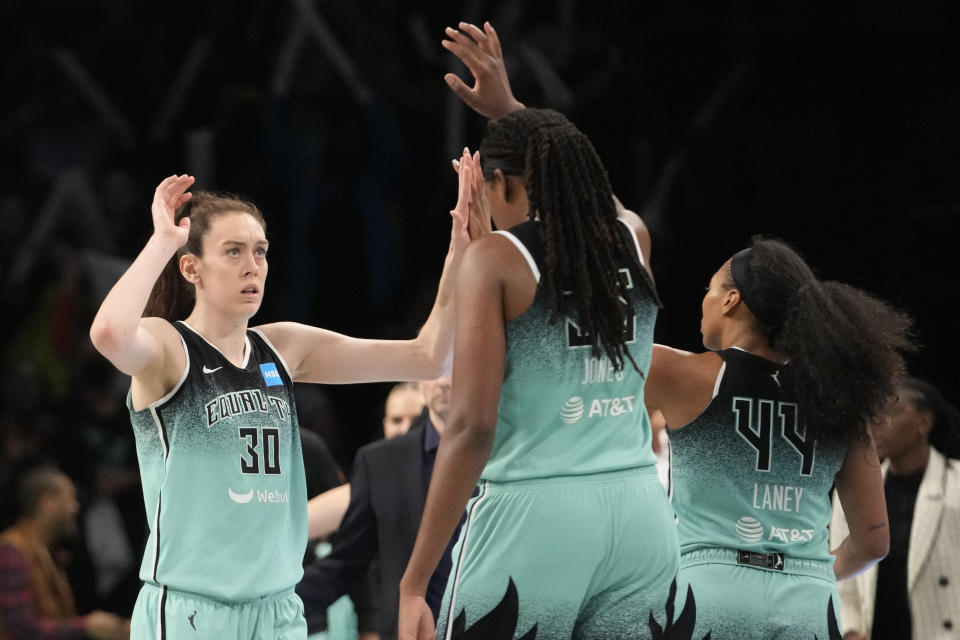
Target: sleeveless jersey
x=744 y=475
x=563 y=411
x=222 y=474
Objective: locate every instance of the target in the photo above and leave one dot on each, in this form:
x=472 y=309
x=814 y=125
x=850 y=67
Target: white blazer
x=933 y=560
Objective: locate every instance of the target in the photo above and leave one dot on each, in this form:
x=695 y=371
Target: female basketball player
x=571 y=532
x=212 y=406
x=763 y=425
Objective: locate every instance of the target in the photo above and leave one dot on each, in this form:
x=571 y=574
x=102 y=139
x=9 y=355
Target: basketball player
x=571 y=532
x=213 y=411
x=763 y=425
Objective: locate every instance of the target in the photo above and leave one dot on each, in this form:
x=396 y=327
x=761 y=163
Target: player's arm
x=318 y=355
x=640 y=230
x=468 y=438
x=860 y=490
x=680 y=383
x=118 y=331
x=325 y=511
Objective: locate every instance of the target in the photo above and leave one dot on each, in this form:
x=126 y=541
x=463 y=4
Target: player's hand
x=479 y=221
x=480 y=50
x=169 y=196
x=416 y=619
x=101 y=625
x=466 y=195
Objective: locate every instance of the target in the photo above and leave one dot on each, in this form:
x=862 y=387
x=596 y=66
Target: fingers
x=426 y=631
x=468 y=36
x=494 y=39
x=466 y=53
x=478 y=36
x=459 y=87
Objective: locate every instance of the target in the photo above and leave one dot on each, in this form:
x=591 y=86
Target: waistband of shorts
x=723 y=555
x=604 y=477
x=263 y=599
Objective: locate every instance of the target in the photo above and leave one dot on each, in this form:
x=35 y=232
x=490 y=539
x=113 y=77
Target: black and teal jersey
x=745 y=476
x=222 y=474
x=563 y=411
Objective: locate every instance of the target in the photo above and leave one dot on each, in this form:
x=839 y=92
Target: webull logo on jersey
x=272 y=497
x=238 y=403
x=750 y=530
x=574 y=408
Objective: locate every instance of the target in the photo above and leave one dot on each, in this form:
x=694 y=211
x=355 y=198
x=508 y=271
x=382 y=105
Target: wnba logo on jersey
x=270 y=374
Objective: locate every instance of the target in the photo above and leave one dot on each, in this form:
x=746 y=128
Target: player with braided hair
x=570 y=533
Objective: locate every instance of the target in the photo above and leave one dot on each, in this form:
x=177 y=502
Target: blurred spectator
x=35 y=597
x=404 y=405
x=915 y=591
x=97 y=450
x=386 y=500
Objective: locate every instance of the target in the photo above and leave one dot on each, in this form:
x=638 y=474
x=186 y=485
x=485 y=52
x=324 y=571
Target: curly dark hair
x=172 y=297
x=569 y=192
x=845 y=346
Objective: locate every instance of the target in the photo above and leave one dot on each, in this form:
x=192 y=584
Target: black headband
x=744 y=279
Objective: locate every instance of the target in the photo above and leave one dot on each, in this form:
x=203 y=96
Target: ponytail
x=845 y=347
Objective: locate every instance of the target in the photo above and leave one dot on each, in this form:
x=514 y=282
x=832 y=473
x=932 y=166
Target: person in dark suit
x=388 y=487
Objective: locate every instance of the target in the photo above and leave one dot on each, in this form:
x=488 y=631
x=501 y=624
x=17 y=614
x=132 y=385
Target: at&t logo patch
x=749 y=529
x=572 y=410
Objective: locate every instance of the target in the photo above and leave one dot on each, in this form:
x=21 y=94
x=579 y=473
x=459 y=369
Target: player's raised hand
x=480 y=50
x=169 y=196
x=466 y=197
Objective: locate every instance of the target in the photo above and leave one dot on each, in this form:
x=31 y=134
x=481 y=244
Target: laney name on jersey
x=238 y=403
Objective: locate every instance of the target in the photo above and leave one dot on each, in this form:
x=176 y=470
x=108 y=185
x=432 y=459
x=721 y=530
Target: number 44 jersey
x=222 y=473
x=745 y=475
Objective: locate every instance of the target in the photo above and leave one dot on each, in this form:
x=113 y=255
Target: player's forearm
x=325 y=511
x=115 y=325
x=857 y=553
x=436 y=337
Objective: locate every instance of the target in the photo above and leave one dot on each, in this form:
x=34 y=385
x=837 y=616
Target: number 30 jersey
x=222 y=474
x=745 y=476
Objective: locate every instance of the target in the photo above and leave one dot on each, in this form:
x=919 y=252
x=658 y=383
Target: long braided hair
x=569 y=193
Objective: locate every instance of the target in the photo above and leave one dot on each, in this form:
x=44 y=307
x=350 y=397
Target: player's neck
x=226 y=334
x=751 y=342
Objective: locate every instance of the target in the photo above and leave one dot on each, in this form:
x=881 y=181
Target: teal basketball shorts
x=583 y=557
x=166 y=614
x=737 y=601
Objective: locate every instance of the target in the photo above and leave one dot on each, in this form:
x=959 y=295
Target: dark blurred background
x=833 y=127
